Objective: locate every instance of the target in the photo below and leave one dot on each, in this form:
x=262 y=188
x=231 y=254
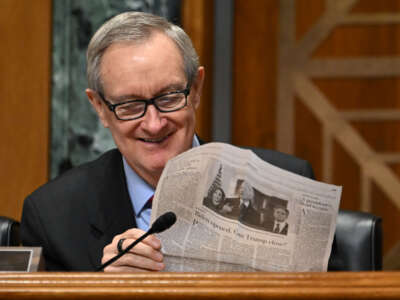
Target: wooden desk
x=333 y=285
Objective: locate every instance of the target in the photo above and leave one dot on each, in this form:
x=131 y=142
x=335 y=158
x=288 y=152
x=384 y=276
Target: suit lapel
x=110 y=211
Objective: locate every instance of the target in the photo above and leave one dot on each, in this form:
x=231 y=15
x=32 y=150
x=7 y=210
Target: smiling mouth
x=155 y=141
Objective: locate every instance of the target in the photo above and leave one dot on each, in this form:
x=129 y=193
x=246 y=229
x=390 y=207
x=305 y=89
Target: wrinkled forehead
x=155 y=39
x=156 y=61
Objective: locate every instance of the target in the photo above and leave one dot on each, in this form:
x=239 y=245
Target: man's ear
x=197 y=87
x=98 y=106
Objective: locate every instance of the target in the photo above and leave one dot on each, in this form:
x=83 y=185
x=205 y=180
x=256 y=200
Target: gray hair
x=246 y=191
x=136 y=27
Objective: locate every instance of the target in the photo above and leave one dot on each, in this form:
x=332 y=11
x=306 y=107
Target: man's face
x=280 y=214
x=141 y=71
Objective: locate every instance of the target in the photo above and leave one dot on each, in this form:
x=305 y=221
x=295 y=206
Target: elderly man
x=249 y=213
x=145 y=84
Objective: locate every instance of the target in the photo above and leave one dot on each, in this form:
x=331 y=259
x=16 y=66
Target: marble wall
x=77 y=135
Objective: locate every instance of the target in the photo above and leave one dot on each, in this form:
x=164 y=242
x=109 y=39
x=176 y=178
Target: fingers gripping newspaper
x=235 y=212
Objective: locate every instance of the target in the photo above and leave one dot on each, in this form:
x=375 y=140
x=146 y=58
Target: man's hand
x=145 y=256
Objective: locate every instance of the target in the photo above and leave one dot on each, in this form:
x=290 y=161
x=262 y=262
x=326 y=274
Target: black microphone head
x=163 y=222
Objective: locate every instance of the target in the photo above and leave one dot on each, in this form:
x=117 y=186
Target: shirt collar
x=280 y=223
x=139 y=190
x=195 y=142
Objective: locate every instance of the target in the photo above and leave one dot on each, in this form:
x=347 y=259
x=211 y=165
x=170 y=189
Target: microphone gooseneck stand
x=162 y=223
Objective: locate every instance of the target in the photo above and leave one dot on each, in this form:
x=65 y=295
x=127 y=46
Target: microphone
x=162 y=223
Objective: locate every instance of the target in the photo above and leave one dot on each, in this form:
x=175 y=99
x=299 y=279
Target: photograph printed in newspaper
x=236 y=212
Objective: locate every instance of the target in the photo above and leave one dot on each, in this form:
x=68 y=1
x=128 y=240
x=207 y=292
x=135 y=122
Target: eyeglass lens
x=164 y=103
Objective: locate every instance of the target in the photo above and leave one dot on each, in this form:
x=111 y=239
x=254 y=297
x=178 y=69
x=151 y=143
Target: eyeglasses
x=135 y=109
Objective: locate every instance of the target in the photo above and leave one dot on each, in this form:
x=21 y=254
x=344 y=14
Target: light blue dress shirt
x=140 y=191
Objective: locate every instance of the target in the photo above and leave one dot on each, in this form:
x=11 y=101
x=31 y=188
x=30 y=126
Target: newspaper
x=229 y=204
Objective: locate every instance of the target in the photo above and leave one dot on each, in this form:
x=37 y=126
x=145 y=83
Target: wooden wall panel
x=307 y=14
x=311 y=142
x=197 y=21
x=371 y=32
x=353 y=40
x=255 y=73
x=347 y=173
x=367 y=92
x=25 y=57
x=371 y=6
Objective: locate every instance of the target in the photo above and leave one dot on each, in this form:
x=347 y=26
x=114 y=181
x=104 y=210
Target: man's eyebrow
x=169 y=88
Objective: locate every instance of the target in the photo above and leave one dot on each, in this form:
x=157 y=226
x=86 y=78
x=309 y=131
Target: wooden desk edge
x=260 y=285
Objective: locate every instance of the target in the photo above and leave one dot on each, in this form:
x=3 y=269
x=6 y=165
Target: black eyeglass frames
x=136 y=108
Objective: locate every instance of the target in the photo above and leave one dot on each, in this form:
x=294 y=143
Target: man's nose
x=153 y=120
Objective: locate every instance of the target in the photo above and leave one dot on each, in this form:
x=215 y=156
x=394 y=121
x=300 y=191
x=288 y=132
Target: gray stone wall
x=77 y=135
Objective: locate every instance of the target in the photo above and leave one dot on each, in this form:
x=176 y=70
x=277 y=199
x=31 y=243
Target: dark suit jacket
x=249 y=216
x=74 y=216
x=284 y=230
x=269 y=226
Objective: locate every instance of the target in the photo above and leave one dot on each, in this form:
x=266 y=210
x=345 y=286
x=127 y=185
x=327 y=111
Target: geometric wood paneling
x=304 y=58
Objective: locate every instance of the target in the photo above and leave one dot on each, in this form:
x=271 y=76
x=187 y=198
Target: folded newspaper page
x=236 y=212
